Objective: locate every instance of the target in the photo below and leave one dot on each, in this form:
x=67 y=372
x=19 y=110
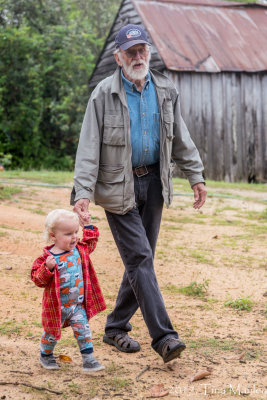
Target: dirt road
x=220 y=252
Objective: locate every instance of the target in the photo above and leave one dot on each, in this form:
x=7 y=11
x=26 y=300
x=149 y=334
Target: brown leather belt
x=145 y=169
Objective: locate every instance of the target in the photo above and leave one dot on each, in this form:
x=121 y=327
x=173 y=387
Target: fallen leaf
x=158 y=391
x=215 y=237
x=200 y=375
x=64 y=359
x=235 y=356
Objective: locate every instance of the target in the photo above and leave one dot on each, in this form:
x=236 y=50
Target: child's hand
x=50 y=263
x=85 y=218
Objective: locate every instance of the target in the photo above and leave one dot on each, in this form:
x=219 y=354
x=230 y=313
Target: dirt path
x=222 y=249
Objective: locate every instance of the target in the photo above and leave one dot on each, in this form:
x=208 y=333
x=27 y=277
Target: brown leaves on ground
x=200 y=375
x=64 y=359
x=236 y=356
x=158 y=391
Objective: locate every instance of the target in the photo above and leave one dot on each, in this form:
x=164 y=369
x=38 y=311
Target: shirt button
x=144 y=132
x=144 y=114
x=145 y=149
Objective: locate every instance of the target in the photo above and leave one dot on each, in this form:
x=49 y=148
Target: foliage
x=239 y=304
x=7 y=192
x=48 y=50
x=5 y=159
x=9 y=328
x=44 y=176
x=193 y=289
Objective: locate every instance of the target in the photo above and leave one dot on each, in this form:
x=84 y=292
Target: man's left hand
x=200 y=194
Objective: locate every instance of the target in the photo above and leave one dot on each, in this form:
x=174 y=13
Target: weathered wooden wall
x=226 y=114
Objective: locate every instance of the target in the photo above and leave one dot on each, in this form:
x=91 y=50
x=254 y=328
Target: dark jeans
x=135 y=234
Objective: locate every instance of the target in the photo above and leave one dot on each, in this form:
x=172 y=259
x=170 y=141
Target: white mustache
x=133 y=63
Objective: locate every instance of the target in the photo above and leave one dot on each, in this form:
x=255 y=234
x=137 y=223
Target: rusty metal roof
x=207 y=35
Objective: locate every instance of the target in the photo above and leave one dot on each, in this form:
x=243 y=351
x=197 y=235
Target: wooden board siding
x=226 y=114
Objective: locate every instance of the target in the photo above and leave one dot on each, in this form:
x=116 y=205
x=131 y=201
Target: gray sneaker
x=92 y=366
x=49 y=362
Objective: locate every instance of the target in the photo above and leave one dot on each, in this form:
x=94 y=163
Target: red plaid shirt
x=51 y=307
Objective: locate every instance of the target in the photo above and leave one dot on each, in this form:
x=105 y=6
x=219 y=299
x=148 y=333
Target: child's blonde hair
x=54 y=218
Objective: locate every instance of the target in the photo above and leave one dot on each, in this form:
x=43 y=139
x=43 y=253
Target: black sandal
x=122 y=342
x=172 y=349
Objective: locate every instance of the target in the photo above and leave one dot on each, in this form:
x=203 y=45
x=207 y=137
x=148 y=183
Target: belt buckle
x=141 y=173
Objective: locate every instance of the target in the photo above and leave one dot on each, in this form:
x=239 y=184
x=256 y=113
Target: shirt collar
x=130 y=85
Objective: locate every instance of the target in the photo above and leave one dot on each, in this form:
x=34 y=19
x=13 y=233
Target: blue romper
x=71 y=297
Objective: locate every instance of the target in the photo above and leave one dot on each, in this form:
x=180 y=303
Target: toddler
x=71 y=291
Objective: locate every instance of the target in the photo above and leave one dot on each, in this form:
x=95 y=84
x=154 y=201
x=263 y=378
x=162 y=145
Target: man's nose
x=137 y=55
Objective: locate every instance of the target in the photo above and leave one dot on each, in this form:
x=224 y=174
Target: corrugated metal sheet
x=205 y=35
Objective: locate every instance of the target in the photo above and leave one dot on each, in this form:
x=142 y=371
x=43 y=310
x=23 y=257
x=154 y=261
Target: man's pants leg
x=135 y=234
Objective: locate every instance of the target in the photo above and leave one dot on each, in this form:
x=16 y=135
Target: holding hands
x=85 y=218
x=81 y=208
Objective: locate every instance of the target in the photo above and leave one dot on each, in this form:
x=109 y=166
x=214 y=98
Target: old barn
x=216 y=54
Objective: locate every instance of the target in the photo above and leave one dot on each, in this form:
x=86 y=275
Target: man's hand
x=81 y=208
x=200 y=194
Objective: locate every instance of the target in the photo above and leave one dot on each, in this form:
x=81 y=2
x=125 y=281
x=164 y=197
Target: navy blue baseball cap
x=130 y=35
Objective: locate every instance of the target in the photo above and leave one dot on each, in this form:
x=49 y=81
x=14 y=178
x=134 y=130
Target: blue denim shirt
x=144 y=122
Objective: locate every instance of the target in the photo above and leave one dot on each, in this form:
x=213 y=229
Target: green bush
x=239 y=304
x=48 y=51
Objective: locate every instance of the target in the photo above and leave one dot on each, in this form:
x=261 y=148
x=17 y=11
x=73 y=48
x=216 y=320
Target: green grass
x=199 y=257
x=242 y=304
x=263 y=215
x=45 y=176
x=182 y=185
x=9 y=328
x=36 y=211
x=211 y=343
x=116 y=383
x=66 y=177
x=6 y=192
x=194 y=289
x=257 y=187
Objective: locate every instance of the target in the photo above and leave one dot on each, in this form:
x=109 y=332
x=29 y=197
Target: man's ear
x=118 y=61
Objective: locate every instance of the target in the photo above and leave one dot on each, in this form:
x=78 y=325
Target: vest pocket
x=113 y=134
x=109 y=187
x=109 y=174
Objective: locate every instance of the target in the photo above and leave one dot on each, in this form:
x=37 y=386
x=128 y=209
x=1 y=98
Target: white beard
x=129 y=70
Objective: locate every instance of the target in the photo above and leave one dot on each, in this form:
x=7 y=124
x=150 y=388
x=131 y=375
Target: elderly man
x=132 y=130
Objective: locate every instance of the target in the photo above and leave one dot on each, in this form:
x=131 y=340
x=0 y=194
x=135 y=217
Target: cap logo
x=133 y=33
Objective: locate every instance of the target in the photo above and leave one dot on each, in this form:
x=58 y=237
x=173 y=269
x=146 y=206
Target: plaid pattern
x=51 y=307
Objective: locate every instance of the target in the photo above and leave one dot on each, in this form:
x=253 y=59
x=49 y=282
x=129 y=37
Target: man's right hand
x=81 y=207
